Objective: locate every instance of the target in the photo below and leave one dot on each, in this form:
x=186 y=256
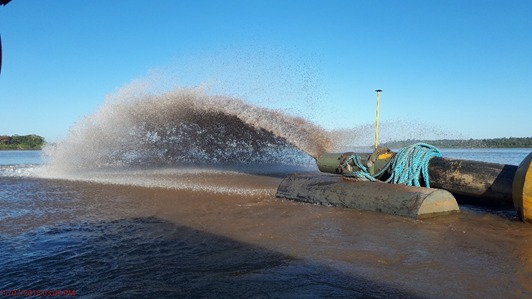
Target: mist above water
x=152 y=123
x=185 y=126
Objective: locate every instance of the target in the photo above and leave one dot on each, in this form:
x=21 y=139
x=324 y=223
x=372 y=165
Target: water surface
x=173 y=195
x=129 y=237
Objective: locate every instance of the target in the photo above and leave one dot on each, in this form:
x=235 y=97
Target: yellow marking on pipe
x=384 y=156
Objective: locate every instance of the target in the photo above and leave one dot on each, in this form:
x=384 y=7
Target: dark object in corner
x=2 y=2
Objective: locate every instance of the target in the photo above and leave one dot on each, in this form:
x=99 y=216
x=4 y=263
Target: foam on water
x=190 y=179
x=20 y=170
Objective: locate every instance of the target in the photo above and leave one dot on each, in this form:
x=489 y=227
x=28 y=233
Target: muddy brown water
x=128 y=241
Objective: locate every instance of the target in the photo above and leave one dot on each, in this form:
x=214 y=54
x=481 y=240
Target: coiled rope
x=407 y=166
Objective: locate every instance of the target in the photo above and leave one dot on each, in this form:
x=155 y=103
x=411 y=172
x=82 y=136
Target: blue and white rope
x=407 y=166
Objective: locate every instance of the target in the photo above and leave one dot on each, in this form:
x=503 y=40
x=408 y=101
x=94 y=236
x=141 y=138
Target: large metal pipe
x=334 y=190
x=462 y=177
x=491 y=182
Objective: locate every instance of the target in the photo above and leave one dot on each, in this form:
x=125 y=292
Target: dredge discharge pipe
x=491 y=181
x=348 y=192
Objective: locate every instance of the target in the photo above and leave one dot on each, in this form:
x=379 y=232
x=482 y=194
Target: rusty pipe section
x=338 y=191
x=462 y=177
x=473 y=178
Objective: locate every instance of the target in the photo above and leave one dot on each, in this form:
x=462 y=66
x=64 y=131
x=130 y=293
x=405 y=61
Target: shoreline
x=20 y=149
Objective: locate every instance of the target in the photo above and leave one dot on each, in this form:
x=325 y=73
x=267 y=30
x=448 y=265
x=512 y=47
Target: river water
x=220 y=232
x=173 y=195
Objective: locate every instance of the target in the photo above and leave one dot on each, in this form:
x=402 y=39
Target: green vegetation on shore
x=16 y=142
x=512 y=142
x=35 y=142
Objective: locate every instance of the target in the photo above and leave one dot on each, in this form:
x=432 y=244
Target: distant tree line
x=511 y=142
x=16 y=142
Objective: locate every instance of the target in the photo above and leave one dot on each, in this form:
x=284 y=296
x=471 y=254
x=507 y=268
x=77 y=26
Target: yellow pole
x=377 y=118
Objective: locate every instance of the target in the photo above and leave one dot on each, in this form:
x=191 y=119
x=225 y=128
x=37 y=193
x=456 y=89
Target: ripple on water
x=151 y=257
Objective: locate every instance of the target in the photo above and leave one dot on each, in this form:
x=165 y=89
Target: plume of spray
x=184 y=126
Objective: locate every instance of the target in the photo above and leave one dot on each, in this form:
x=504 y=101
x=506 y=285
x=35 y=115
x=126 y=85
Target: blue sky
x=463 y=67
